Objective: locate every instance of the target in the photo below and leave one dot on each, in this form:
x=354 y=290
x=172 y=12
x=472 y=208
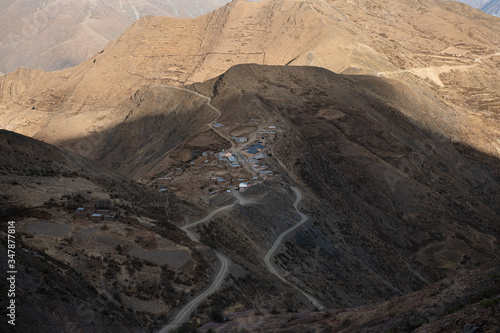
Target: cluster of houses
x=255 y=152
x=91 y=212
x=262 y=170
x=229 y=158
x=225 y=160
x=241 y=139
x=236 y=184
x=268 y=133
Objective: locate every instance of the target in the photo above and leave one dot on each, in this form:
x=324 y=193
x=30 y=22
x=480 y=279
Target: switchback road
x=270 y=254
x=184 y=314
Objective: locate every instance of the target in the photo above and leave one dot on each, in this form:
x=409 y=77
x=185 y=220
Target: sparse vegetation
x=216 y=314
x=187 y=328
x=453 y=309
x=487 y=294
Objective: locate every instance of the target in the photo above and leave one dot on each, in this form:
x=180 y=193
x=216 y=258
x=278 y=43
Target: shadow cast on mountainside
x=401 y=205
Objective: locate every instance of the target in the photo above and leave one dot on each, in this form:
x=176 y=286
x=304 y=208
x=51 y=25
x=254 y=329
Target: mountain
x=53 y=35
x=492 y=7
x=370 y=134
x=75 y=273
x=476 y=3
x=457 y=61
x=378 y=182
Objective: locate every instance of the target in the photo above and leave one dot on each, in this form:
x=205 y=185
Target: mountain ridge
x=31 y=34
x=490 y=7
x=450 y=63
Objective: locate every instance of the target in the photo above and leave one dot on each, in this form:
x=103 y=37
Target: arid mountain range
x=375 y=125
x=53 y=35
x=456 y=57
x=491 y=7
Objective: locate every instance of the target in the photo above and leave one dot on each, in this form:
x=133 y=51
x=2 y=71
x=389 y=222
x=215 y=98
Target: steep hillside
x=492 y=7
x=79 y=272
x=53 y=35
x=394 y=203
x=447 y=46
x=468 y=302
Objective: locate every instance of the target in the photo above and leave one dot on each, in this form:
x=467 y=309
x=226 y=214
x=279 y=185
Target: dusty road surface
x=185 y=313
x=277 y=244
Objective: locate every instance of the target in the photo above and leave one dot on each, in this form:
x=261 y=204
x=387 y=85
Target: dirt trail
x=183 y=315
x=237 y=151
x=270 y=254
x=432 y=72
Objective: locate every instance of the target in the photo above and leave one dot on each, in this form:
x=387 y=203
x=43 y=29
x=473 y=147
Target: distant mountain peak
x=491 y=7
x=53 y=35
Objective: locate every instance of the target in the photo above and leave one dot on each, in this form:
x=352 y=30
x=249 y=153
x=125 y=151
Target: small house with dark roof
x=109 y=218
x=89 y=207
x=253 y=150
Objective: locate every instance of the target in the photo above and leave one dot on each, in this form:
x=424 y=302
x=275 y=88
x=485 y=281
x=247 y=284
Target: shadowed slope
x=394 y=203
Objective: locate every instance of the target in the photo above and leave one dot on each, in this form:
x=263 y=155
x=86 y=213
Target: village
x=226 y=170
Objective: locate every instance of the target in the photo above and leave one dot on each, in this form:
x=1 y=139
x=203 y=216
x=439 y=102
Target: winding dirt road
x=183 y=315
x=270 y=254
